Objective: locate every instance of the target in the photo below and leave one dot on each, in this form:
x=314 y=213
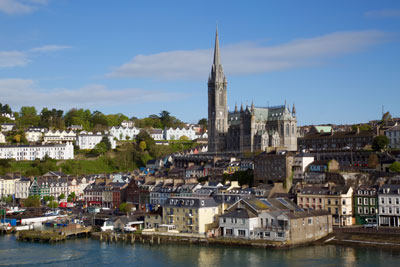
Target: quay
x=54 y=235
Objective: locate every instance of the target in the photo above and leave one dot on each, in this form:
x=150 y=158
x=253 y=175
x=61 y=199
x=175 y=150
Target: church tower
x=217 y=104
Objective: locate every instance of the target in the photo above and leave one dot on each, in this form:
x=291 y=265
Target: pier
x=53 y=236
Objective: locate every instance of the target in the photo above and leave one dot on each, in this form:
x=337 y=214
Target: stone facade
x=251 y=128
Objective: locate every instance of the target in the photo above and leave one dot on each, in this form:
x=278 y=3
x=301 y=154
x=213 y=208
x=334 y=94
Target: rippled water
x=90 y=252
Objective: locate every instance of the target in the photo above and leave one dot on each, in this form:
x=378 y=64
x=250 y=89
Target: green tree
x=380 y=142
x=184 y=138
x=28 y=116
x=62 y=196
x=125 y=207
x=203 y=124
x=32 y=201
x=53 y=204
x=142 y=145
x=395 y=167
x=106 y=141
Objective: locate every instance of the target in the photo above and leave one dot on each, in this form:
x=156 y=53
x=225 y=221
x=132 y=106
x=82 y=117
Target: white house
x=238 y=223
x=2 y=138
x=58 y=137
x=393 y=134
x=88 y=140
x=121 y=133
x=389 y=205
x=8 y=115
x=177 y=133
x=128 y=124
x=157 y=134
x=7 y=127
x=24 y=152
x=33 y=136
x=22 y=188
x=7 y=186
x=300 y=163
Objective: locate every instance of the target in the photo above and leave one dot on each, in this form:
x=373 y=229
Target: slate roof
x=239 y=213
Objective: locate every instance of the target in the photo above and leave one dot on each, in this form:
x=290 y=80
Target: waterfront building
x=7 y=186
x=40 y=189
x=248 y=129
x=389 y=205
x=274 y=219
x=190 y=214
x=365 y=204
x=337 y=200
x=32 y=152
x=22 y=188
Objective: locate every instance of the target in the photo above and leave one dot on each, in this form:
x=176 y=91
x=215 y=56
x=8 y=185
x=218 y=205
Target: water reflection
x=87 y=252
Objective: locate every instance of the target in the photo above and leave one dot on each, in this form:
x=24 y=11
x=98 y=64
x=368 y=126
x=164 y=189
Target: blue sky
x=338 y=61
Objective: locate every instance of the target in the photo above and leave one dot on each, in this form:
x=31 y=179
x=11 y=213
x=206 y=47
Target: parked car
x=370 y=225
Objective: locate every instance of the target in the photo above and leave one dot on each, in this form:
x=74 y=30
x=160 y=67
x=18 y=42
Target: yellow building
x=190 y=214
x=337 y=200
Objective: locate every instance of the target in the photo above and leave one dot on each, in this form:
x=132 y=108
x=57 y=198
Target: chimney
x=358 y=129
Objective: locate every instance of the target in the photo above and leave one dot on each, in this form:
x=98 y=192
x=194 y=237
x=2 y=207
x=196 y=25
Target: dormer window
x=202 y=202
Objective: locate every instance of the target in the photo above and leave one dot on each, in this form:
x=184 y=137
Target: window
x=382 y=201
x=280 y=234
x=365 y=201
x=242 y=232
x=360 y=210
x=243 y=221
x=310 y=221
x=372 y=210
x=228 y=231
x=267 y=234
x=223 y=220
x=372 y=201
x=366 y=210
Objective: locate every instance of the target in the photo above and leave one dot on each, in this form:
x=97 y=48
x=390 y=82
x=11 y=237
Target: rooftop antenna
x=383 y=110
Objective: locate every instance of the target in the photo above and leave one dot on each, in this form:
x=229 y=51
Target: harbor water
x=88 y=252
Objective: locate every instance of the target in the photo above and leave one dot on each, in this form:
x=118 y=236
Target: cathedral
x=249 y=129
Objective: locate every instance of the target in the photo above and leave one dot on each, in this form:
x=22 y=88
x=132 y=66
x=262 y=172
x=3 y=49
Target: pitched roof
x=239 y=213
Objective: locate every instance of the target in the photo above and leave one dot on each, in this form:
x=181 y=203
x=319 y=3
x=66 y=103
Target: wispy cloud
x=13 y=59
x=22 y=58
x=18 y=7
x=50 y=48
x=250 y=57
x=15 y=92
x=383 y=13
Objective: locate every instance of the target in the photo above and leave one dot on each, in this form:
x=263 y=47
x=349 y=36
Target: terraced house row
x=363 y=205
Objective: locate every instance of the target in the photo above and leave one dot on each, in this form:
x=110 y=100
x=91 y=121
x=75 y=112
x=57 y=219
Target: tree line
x=90 y=120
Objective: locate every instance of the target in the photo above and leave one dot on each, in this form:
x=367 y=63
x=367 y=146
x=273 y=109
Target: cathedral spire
x=217 y=60
x=294 y=110
x=241 y=107
x=236 y=108
x=217 y=73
